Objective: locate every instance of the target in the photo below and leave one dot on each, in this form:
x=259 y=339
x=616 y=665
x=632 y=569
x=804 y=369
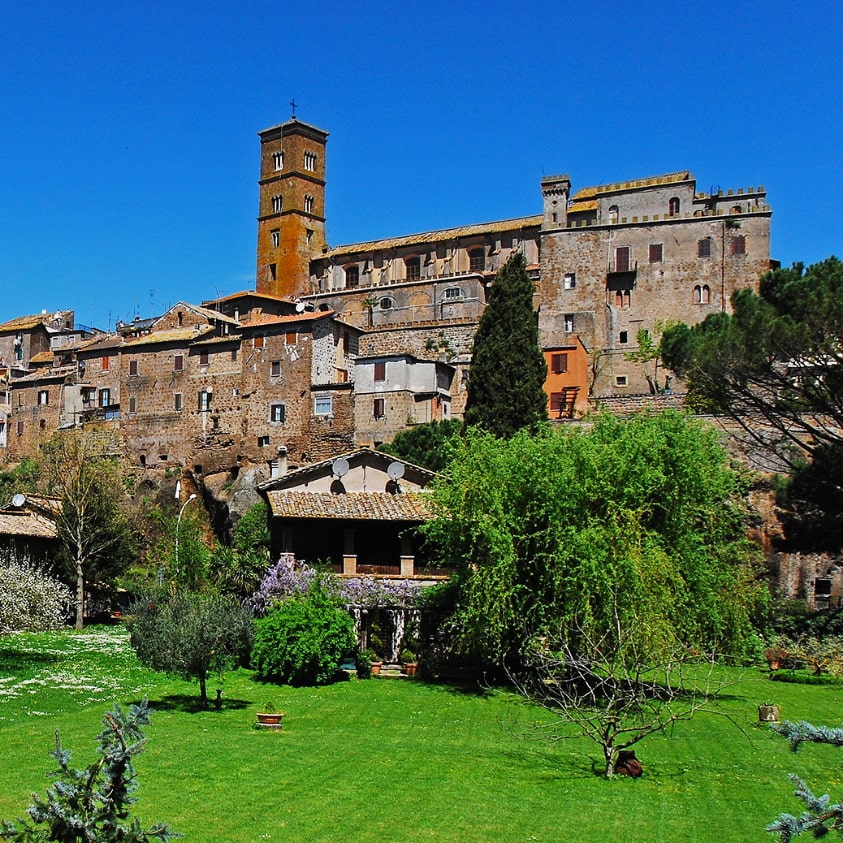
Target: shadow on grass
x=13 y=661
x=191 y=704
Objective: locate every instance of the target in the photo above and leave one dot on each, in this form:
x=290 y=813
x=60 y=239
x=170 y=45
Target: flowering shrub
x=30 y=599
x=286 y=579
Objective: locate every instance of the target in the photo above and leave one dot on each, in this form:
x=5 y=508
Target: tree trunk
x=609 y=755
x=203 y=695
x=80 y=596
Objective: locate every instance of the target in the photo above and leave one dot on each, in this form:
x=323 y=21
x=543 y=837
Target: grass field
x=399 y=760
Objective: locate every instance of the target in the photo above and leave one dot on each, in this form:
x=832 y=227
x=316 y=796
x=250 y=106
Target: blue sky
x=129 y=154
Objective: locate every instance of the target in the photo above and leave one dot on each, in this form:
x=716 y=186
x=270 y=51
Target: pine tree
x=507 y=368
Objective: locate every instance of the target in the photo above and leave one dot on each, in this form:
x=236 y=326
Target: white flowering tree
x=30 y=599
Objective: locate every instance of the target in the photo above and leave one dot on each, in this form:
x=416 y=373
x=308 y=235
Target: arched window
x=413 y=268
x=352 y=276
x=613 y=213
x=705 y=294
x=477 y=260
x=386 y=303
x=673 y=206
x=308 y=204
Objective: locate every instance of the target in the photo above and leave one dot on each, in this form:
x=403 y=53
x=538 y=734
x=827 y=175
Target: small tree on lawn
x=821 y=815
x=505 y=385
x=31 y=599
x=611 y=689
x=93 y=804
x=95 y=535
x=191 y=635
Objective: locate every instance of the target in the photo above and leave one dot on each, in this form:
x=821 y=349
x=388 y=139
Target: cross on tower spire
x=293 y=106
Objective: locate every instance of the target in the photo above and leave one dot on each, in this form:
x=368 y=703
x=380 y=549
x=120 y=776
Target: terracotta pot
x=768 y=713
x=270 y=718
x=410 y=668
x=376 y=668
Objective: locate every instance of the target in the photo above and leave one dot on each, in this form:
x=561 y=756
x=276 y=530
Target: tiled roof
x=437 y=236
x=47 y=374
x=634 y=184
x=577 y=206
x=173 y=335
x=352 y=506
x=102 y=343
x=42 y=357
x=23 y=323
x=248 y=294
x=270 y=319
x=23 y=522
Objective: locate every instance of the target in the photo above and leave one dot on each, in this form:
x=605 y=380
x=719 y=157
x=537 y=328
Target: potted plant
x=768 y=713
x=269 y=718
x=776 y=655
x=375 y=662
x=408 y=657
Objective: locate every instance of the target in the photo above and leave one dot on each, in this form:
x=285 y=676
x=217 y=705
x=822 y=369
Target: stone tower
x=555 y=193
x=291 y=217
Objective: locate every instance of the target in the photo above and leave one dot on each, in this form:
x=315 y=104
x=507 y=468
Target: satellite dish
x=299 y=307
x=395 y=470
x=19 y=500
x=340 y=467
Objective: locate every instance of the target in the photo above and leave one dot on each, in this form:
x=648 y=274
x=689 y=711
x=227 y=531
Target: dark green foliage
x=821 y=815
x=239 y=568
x=303 y=639
x=428 y=445
x=21 y=478
x=508 y=370
x=190 y=634
x=92 y=805
x=637 y=523
x=776 y=365
x=363 y=664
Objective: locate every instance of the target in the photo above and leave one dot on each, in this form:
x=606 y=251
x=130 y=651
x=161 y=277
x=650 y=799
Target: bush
x=303 y=639
x=30 y=599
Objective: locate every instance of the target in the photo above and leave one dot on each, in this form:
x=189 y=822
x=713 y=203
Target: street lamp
x=178 y=526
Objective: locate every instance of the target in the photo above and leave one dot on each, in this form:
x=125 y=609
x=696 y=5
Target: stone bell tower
x=291 y=217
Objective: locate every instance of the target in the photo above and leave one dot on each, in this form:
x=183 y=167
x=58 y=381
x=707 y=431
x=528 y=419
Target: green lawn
x=398 y=760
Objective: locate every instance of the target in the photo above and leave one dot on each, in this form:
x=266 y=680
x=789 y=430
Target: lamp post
x=178 y=527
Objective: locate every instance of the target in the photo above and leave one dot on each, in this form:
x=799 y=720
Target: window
x=20 y=428
x=453 y=293
x=673 y=206
x=42 y=424
x=557 y=404
x=568 y=323
x=570 y=281
x=656 y=252
x=704 y=248
x=106 y=363
x=133 y=368
x=559 y=364
x=105 y=398
x=258 y=341
x=203 y=358
x=702 y=294
x=623 y=337
x=277 y=203
x=43 y=397
x=737 y=245
x=386 y=303
x=233 y=355
x=290 y=338
x=275 y=237
x=263 y=441
x=178 y=363
x=180 y=317
x=622 y=259
x=277 y=413
x=352 y=276
x=379 y=408
x=613 y=213
x=308 y=204
x=310 y=161
x=178 y=402
x=309 y=236
x=620 y=380
x=273 y=272
x=278 y=160
x=275 y=369
x=477 y=260
x=622 y=298
x=413 y=266
x=380 y=371
x=204 y=401
x=89 y=395
x=323 y=405
x=133 y=404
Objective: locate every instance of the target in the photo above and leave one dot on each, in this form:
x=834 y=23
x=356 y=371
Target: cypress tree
x=507 y=367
